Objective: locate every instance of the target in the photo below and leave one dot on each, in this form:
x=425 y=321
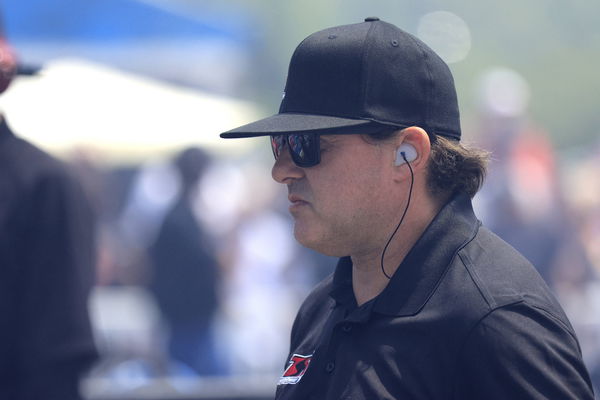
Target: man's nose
x=284 y=170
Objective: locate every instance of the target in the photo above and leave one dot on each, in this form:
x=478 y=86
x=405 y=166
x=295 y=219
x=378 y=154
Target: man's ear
x=412 y=146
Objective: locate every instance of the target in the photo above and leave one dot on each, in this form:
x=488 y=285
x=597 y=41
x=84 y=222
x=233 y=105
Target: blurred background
x=198 y=278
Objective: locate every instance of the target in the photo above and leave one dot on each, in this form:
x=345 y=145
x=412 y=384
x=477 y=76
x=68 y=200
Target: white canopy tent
x=73 y=104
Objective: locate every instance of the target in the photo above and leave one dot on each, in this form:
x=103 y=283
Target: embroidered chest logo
x=295 y=370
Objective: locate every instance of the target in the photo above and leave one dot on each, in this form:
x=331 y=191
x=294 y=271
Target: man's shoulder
x=503 y=276
x=34 y=183
x=32 y=156
x=25 y=164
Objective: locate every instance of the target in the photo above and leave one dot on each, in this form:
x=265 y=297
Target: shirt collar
x=342 y=291
x=422 y=268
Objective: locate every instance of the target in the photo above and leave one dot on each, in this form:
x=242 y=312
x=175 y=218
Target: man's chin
x=306 y=236
x=303 y=236
x=314 y=241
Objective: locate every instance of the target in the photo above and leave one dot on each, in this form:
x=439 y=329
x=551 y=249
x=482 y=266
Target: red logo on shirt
x=295 y=370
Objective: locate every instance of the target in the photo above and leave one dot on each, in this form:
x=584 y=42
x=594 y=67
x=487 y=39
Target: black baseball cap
x=358 y=78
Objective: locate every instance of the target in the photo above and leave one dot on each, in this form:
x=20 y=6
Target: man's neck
x=368 y=279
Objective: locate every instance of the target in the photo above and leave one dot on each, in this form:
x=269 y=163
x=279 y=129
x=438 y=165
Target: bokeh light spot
x=447 y=34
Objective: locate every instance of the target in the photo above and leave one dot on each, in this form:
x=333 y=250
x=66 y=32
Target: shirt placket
x=342 y=330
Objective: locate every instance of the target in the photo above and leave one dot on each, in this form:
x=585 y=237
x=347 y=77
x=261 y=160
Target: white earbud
x=409 y=152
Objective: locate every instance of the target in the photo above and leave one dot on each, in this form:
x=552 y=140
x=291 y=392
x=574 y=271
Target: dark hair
x=452 y=167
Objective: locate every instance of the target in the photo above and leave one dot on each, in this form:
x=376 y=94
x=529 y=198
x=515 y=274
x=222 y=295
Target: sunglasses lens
x=304 y=149
x=277 y=144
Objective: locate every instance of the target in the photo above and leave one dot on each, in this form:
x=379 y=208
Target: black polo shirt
x=465 y=316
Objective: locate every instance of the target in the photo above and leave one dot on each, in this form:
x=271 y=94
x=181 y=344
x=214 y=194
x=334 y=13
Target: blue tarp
x=111 y=20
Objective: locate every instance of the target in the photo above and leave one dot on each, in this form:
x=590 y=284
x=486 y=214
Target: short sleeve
x=522 y=352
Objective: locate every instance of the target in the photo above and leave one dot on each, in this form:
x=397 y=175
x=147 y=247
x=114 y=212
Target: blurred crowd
x=198 y=273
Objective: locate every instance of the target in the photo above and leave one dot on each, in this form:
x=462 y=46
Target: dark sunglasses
x=304 y=148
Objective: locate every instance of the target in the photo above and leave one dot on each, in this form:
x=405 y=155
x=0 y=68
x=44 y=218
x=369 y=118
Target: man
x=46 y=269
x=185 y=272
x=425 y=303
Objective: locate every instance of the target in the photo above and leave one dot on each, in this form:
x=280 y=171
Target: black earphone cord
x=412 y=181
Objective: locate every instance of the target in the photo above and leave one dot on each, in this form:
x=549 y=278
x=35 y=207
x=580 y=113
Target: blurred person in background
x=47 y=258
x=185 y=273
x=424 y=301
x=583 y=298
x=522 y=200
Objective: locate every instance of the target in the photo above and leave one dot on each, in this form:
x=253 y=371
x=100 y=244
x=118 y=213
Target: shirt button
x=347 y=328
x=330 y=367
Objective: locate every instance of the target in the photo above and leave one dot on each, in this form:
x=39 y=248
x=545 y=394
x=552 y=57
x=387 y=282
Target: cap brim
x=27 y=69
x=302 y=123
